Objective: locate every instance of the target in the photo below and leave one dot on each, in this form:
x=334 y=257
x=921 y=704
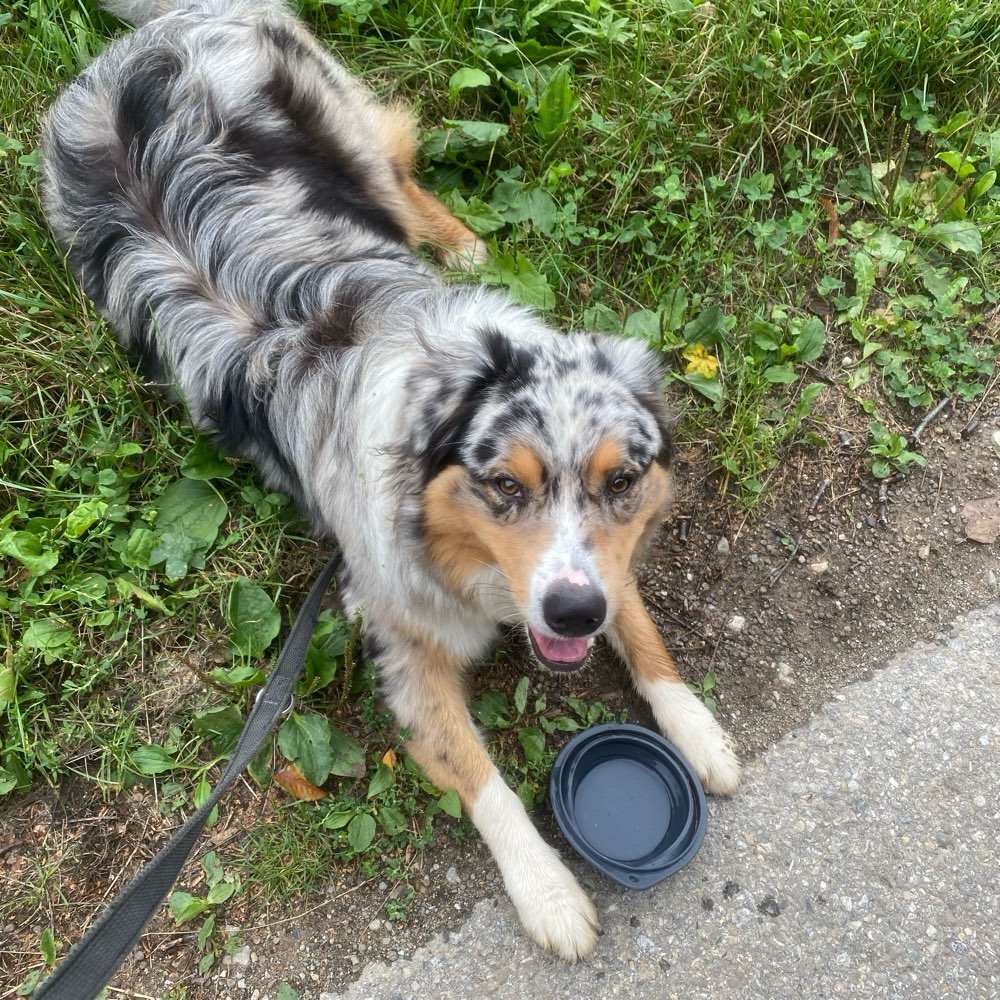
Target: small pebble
x=241 y=956
x=786 y=675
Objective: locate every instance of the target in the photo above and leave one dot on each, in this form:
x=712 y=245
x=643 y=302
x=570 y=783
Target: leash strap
x=99 y=953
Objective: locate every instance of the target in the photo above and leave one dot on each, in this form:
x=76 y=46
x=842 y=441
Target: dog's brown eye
x=620 y=483
x=507 y=486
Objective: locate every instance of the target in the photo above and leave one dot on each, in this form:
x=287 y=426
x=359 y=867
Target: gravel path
x=860 y=858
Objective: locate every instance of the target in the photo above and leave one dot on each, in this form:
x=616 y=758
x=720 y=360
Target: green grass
x=792 y=201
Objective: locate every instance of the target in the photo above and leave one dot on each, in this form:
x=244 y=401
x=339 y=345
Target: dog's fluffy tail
x=140 y=11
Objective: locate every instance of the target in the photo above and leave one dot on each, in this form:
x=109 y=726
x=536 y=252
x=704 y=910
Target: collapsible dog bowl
x=629 y=803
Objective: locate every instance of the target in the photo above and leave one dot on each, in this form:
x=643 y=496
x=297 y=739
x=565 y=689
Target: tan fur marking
x=462 y=538
x=525 y=467
x=443 y=741
x=617 y=546
x=423 y=217
x=608 y=457
x=433 y=223
x=641 y=642
x=398 y=131
x=432 y=705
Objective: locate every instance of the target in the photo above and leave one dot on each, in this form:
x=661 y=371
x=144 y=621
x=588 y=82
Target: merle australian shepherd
x=244 y=214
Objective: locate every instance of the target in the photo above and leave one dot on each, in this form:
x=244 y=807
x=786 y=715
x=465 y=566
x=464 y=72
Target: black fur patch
x=240 y=411
x=304 y=149
x=143 y=104
x=507 y=369
x=655 y=407
x=93 y=259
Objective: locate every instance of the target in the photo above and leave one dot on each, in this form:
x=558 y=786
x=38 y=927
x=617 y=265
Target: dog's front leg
x=679 y=713
x=428 y=699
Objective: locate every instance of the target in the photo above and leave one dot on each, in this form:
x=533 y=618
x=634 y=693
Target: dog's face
x=547 y=473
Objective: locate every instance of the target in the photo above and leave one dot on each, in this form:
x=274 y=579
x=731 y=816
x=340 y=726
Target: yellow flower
x=700 y=361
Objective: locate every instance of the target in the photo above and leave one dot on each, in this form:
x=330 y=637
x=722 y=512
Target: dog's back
x=227 y=216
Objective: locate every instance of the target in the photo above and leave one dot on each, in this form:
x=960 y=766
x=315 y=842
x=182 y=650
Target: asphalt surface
x=860 y=858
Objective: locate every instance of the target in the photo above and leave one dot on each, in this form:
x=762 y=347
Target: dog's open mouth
x=560 y=654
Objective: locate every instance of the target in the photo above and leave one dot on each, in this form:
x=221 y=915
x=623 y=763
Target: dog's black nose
x=572 y=611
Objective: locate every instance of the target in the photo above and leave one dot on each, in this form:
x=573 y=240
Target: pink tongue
x=561 y=650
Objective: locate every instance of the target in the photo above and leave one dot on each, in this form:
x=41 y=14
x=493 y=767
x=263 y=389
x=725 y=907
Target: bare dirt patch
x=785 y=607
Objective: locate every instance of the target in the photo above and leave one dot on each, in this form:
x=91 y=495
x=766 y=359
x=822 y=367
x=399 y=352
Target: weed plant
x=788 y=200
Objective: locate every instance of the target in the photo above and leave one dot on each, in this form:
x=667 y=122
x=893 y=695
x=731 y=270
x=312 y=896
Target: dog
x=244 y=214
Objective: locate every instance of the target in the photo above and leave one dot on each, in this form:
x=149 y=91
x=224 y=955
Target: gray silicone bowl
x=628 y=802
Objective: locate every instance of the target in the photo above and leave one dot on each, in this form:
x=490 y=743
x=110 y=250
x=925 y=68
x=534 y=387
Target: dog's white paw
x=553 y=908
x=556 y=912
x=687 y=723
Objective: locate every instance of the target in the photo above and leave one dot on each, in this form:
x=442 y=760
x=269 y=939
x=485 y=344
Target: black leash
x=99 y=953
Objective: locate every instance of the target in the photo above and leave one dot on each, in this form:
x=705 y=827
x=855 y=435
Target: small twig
x=352 y=648
x=988 y=393
x=970 y=428
x=821 y=489
x=674 y=620
x=777 y=576
x=682 y=528
x=820 y=374
x=715 y=649
x=937 y=492
x=904 y=148
x=785 y=537
x=10 y=847
x=883 y=499
x=922 y=426
x=959 y=191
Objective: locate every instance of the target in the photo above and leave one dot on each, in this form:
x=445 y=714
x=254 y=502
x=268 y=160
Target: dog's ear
x=634 y=365
x=449 y=390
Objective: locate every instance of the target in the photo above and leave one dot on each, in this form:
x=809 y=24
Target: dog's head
x=544 y=470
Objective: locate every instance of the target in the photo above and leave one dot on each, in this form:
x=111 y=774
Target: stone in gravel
x=452 y=876
x=819 y=567
x=736 y=624
x=241 y=956
x=722 y=546
x=981 y=520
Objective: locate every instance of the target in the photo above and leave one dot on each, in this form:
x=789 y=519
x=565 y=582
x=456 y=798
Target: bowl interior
x=628 y=807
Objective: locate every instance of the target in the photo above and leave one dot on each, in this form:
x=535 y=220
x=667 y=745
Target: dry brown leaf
x=292 y=780
x=833 y=217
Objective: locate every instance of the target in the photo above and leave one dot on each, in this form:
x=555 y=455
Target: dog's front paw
x=692 y=728
x=713 y=759
x=555 y=911
x=553 y=908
